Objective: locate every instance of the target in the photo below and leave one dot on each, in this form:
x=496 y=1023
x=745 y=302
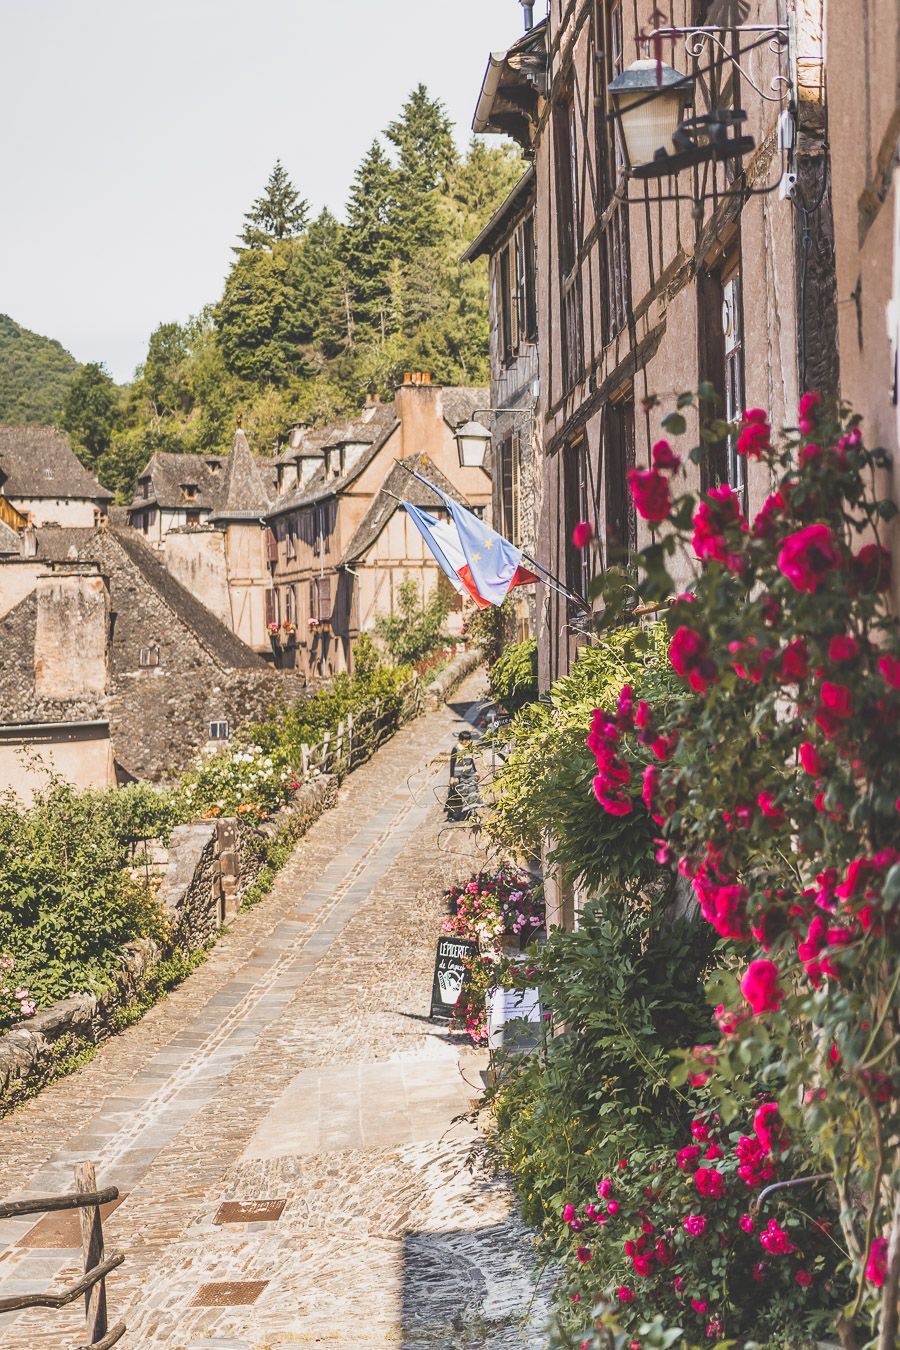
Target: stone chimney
x=420 y=409
x=71 y=636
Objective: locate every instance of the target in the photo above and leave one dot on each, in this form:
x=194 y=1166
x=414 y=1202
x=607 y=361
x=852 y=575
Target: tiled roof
x=38 y=461
x=167 y=472
x=221 y=643
x=320 y=486
x=460 y=404
x=243 y=492
x=400 y=484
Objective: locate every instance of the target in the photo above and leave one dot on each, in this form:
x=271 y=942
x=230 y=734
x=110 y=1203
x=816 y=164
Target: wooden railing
x=357 y=738
x=87 y=1199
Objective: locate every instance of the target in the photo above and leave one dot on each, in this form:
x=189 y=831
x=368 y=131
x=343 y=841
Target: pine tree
x=280 y=213
x=369 y=240
x=323 y=287
x=423 y=138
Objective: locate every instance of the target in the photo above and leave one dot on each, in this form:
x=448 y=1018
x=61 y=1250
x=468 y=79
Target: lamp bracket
x=709 y=41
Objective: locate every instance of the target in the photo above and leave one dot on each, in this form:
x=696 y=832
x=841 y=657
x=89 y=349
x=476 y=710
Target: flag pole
x=554 y=582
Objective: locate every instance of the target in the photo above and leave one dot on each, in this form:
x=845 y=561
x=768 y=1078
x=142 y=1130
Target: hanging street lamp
x=472 y=441
x=649 y=99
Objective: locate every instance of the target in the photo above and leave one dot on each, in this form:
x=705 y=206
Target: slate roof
x=168 y=471
x=243 y=494
x=460 y=403
x=509 y=210
x=371 y=429
x=57 y=543
x=384 y=505
x=222 y=644
x=29 y=453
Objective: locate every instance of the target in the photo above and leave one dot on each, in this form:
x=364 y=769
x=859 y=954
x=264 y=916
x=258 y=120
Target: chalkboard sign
x=449 y=973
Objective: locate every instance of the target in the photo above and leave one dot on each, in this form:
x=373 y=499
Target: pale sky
x=137 y=132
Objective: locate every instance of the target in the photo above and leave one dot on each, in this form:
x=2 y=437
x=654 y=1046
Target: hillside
x=34 y=374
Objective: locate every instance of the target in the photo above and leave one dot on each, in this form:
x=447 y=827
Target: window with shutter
x=621 y=521
x=272 y=545
x=270 y=607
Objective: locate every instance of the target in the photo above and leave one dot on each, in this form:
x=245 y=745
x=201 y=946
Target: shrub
x=417 y=629
x=514 y=675
x=775 y=784
x=68 y=899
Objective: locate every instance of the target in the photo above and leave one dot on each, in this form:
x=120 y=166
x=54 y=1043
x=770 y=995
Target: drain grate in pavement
x=250 y=1211
x=61 y=1229
x=228 y=1294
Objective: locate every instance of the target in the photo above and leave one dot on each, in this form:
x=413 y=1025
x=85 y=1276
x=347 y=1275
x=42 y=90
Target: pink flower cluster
x=715 y=519
x=650 y=487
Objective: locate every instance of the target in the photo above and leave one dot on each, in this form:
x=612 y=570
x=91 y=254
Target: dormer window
x=145 y=487
x=188 y=491
x=214 y=465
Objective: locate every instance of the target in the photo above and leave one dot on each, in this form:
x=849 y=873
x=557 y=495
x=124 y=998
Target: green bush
x=416 y=631
x=68 y=899
x=544 y=786
x=514 y=675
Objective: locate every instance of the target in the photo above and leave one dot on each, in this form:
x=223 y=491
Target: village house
x=42 y=481
x=120 y=671
x=508 y=240
x=648 y=286
x=339 y=558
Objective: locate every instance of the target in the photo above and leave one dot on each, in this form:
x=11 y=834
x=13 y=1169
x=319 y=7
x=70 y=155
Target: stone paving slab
x=297 y=1065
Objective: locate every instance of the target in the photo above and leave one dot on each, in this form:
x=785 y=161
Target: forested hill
x=35 y=373
x=315 y=310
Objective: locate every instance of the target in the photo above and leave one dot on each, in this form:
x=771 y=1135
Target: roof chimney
x=71 y=636
x=528 y=7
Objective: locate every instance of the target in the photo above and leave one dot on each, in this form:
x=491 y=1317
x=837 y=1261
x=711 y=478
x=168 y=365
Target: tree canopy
x=315 y=311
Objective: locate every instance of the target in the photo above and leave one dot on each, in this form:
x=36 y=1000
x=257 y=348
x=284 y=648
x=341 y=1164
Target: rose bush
x=775 y=785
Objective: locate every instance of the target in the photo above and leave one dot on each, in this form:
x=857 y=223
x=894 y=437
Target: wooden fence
x=357 y=738
x=87 y=1199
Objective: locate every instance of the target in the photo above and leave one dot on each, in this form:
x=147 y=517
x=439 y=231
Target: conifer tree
x=423 y=138
x=369 y=242
x=280 y=213
x=324 y=288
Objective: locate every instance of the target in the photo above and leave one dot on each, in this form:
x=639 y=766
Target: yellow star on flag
x=489 y=543
x=476 y=557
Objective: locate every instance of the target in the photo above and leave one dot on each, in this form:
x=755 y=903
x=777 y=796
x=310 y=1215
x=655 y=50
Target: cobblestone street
x=281 y=1126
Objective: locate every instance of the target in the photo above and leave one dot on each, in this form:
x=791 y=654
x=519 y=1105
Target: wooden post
x=349 y=742
x=339 y=747
x=92 y=1249
x=326 y=747
x=304 y=755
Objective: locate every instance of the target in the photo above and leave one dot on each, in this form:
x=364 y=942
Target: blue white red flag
x=494 y=563
x=442 y=539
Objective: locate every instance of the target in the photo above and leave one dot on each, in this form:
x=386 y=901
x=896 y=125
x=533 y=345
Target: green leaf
x=675 y=424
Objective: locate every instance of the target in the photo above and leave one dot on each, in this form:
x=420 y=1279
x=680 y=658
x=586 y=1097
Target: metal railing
x=87 y=1199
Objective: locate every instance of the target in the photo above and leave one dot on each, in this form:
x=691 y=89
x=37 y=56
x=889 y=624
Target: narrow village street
x=281 y=1126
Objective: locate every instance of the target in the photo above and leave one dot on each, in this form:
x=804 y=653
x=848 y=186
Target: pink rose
x=582 y=534
x=811 y=760
x=664 y=457
x=876 y=1266
x=624 y=1294
x=889 y=666
x=760 y=986
x=650 y=491
x=808 y=557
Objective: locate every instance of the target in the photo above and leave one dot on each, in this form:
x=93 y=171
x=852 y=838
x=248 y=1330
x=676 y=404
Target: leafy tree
x=280 y=213
x=34 y=374
x=128 y=452
x=417 y=629
x=324 y=286
x=163 y=375
x=91 y=411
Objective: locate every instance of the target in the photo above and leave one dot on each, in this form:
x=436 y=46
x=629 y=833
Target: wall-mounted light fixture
x=649 y=100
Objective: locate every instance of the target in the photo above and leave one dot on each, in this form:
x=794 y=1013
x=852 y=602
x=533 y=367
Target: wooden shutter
x=270 y=606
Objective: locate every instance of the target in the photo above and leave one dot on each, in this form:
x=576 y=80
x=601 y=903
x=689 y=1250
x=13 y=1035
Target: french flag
x=476 y=560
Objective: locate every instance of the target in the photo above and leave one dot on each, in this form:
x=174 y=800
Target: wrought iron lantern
x=472 y=441
x=649 y=99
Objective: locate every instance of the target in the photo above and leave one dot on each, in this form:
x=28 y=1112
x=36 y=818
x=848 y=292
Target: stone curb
x=438 y=691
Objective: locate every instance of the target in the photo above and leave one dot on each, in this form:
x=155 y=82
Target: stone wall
x=452 y=675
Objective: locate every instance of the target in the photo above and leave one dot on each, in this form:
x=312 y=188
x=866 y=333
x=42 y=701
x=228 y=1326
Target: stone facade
x=173 y=669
